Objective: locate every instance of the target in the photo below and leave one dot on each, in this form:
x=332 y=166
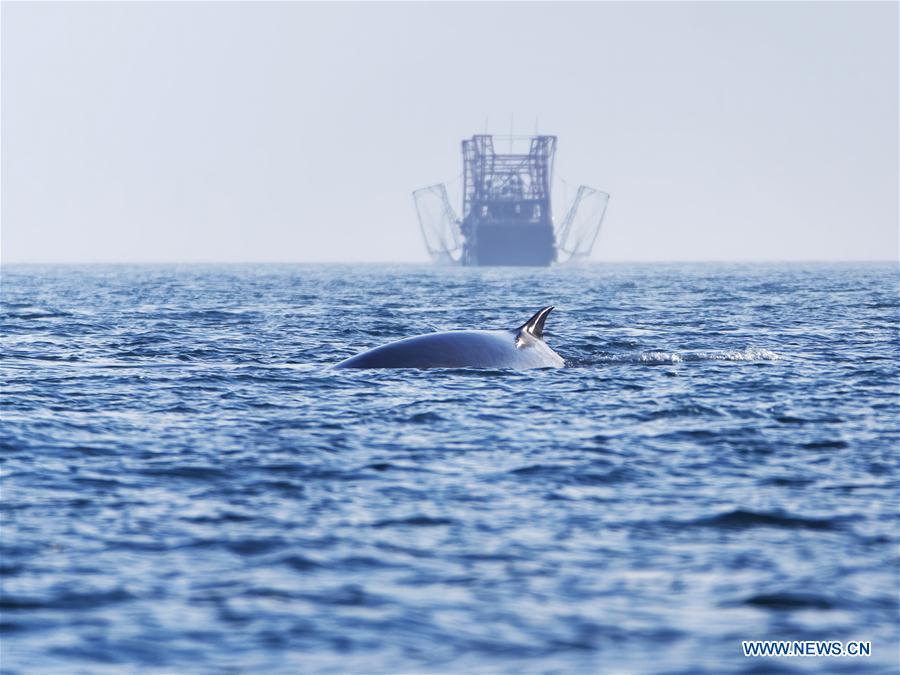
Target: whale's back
x=457 y=349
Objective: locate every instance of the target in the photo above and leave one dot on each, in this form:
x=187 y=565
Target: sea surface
x=189 y=487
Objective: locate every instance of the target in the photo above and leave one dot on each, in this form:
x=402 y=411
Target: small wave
x=249 y=546
x=569 y=475
x=426 y=417
x=350 y=595
x=683 y=410
x=414 y=521
x=835 y=444
x=65 y=599
x=198 y=472
x=742 y=519
x=299 y=563
x=34 y=313
x=788 y=601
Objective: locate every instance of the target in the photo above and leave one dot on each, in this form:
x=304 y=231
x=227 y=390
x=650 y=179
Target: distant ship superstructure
x=507 y=214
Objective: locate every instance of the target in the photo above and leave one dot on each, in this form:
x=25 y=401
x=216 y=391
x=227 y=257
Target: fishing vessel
x=507 y=215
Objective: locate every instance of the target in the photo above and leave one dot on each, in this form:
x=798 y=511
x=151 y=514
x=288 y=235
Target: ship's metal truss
x=489 y=176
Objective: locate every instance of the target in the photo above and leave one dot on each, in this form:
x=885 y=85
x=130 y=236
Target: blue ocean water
x=187 y=486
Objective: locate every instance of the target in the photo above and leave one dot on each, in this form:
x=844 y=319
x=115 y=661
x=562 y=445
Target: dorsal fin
x=535 y=325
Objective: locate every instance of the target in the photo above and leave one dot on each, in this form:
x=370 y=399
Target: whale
x=520 y=348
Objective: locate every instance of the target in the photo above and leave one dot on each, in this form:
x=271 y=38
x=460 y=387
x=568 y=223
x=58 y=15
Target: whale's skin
x=461 y=349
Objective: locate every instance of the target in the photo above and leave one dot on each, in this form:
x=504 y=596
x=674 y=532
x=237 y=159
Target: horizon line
x=438 y=265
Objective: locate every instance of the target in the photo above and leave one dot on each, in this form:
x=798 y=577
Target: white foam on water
x=747 y=354
x=664 y=357
x=660 y=357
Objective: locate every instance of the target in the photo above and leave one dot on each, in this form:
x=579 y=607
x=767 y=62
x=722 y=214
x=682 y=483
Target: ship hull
x=510 y=245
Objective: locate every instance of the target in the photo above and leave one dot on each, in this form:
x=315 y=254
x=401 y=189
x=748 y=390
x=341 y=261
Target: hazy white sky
x=296 y=132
